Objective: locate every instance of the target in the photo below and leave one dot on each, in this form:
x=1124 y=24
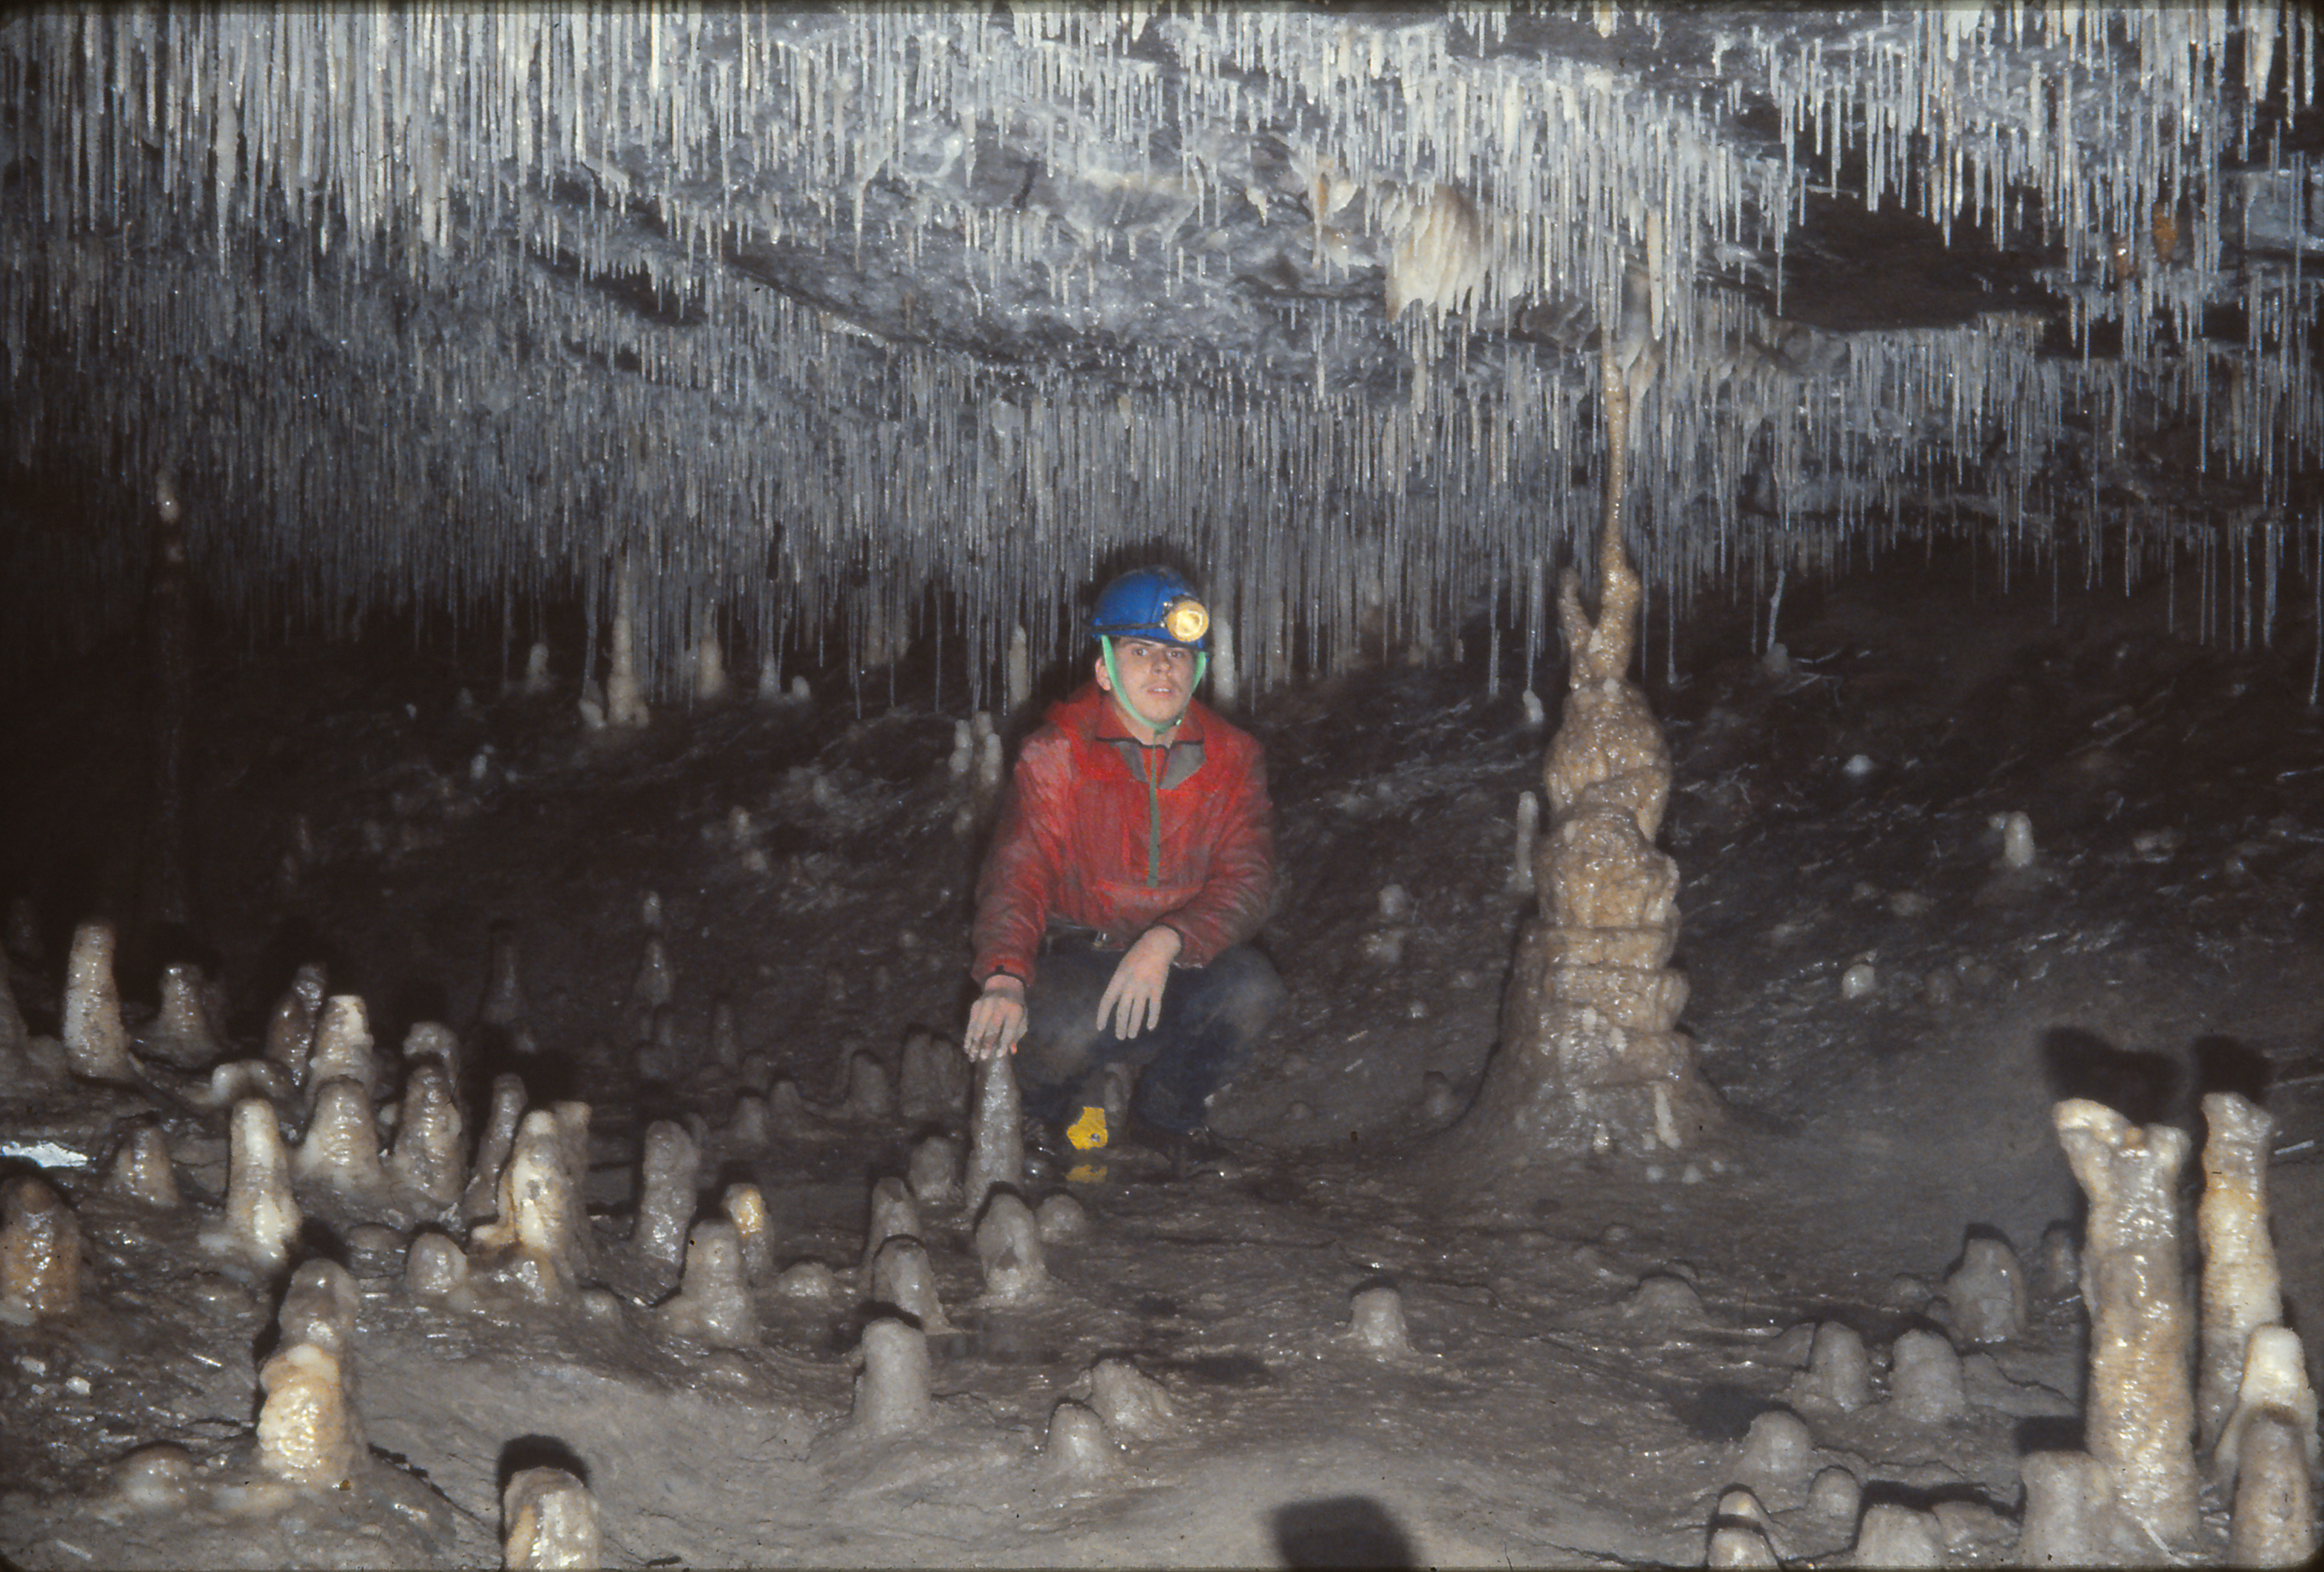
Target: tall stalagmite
x=1590 y=1053
x=2140 y=1414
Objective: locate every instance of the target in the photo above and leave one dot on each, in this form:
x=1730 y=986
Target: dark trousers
x=1212 y=1017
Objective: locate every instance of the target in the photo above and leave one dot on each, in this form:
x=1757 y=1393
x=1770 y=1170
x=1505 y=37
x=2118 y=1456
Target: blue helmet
x=1152 y=602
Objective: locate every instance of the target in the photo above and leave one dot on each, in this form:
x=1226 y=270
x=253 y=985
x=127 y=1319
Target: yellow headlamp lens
x=1185 y=621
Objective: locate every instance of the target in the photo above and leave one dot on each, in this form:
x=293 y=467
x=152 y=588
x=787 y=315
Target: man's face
x=1158 y=679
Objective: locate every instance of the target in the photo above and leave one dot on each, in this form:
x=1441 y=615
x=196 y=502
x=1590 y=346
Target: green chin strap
x=1113 y=672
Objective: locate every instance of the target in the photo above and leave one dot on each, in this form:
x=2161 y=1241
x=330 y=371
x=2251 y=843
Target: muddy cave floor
x=2166 y=941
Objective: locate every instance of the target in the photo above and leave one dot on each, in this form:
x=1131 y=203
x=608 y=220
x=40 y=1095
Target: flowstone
x=1590 y=1053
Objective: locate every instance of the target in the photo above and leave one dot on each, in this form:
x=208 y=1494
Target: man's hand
x=1134 y=996
x=996 y=1020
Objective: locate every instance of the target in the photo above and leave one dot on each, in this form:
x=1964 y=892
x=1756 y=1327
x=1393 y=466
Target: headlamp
x=1185 y=621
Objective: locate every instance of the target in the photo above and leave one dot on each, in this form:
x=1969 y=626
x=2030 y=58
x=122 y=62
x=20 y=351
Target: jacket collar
x=1091 y=710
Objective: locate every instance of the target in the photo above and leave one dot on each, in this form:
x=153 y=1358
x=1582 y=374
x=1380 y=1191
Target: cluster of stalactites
x=438 y=143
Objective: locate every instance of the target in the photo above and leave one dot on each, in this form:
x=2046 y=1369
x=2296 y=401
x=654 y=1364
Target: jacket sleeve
x=1237 y=894
x=1020 y=881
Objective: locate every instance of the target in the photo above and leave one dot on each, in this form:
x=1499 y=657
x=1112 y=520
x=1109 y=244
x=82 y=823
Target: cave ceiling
x=809 y=313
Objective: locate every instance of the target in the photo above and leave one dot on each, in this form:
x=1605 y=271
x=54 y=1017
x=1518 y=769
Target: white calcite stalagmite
x=2242 y=1290
x=996 y=1134
x=308 y=1432
x=1590 y=1053
x=1778 y=1458
x=1925 y=1382
x=540 y=1215
x=154 y=1479
x=932 y=1081
x=666 y=1192
x=1897 y=1536
x=933 y=1173
x=238 y=1079
x=2273 y=1522
x=40 y=1253
x=1009 y=1249
x=434 y=1266
x=1132 y=1404
x=427 y=1157
x=749 y=1129
x=548 y=1519
x=892 y=1394
x=868 y=1097
x=482 y=1199
x=291 y=1028
x=141 y=1171
x=2140 y=1414
x=344 y=1050
x=1528 y=833
x=1986 y=1292
x=652 y=988
x=1062 y=1219
x=901 y=1277
x=433 y=1042
x=1077 y=1448
x=261 y=1216
x=745 y=1207
x=183 y=1033
x=320 y=1307
x=1376 y=1321
x=2274 y=1379
x=1740 y=1532
x=2070 y=1517
x=1840 y=1371
x=625 y=699
x=96 y=1044
x=341 y=1148
x=894 y=1213
x=713 y=1304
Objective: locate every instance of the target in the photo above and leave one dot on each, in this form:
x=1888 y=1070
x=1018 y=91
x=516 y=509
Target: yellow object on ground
x=1086 y=1173
x=1087 y=1132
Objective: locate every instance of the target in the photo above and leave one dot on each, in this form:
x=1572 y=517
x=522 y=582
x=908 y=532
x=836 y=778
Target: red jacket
x=1184 y=836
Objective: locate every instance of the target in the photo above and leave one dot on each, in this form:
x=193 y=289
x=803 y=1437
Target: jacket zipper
x=1153 y=815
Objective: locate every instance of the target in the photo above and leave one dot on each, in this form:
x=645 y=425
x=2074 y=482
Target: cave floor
x=1561 y=1404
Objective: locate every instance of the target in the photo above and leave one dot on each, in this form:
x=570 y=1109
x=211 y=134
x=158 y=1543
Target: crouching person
x=1132 y=862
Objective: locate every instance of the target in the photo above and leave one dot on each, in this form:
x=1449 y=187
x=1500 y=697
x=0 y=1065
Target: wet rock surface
x=1587 y=1359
